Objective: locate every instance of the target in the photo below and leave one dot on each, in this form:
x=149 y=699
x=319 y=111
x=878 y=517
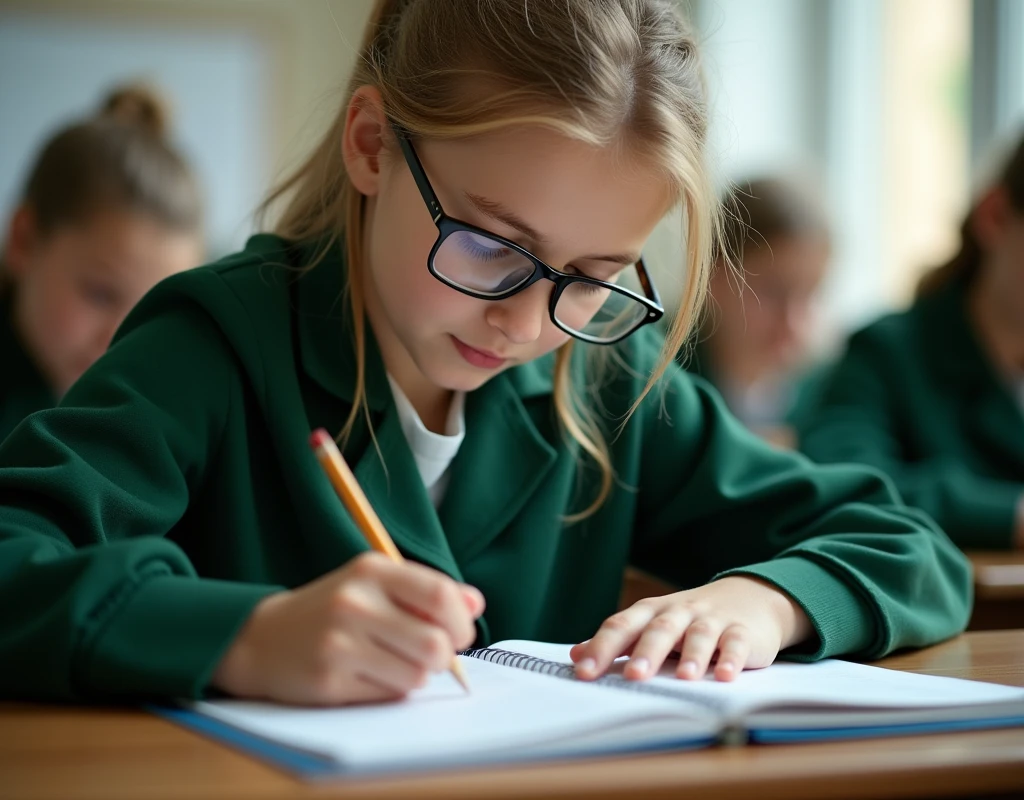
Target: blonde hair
x=605 y=72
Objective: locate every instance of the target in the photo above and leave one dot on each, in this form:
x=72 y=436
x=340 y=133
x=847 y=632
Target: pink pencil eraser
x=319 y=438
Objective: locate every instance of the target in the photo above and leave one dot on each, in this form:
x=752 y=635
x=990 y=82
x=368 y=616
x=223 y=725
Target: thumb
x=474 y=599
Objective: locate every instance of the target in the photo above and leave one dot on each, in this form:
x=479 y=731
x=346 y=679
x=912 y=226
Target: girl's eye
x=482 y=248
x=586 y=288
x=569 y=269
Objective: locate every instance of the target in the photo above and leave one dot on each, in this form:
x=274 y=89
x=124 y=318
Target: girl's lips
x=478 y=358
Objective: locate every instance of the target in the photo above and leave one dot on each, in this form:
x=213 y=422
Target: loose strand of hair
x=580 y=425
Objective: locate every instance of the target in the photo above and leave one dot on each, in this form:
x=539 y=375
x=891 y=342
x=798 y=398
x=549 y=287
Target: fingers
x=391 y=671
x=349 y=669
x=703 y=639
x=699 y=644
x=423 y=592
x=659 y=638
x=366 y=690
x=419 y=642
x=618 y=633
x=370 y=630
x=733 y=653
x=649 y=636
x=474 y=599
x=436 y=597
x=359 y=668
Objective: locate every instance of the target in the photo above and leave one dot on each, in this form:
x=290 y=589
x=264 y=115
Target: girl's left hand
x=744 y=620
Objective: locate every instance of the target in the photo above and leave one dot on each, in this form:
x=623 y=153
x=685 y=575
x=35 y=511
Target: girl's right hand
x=371 y=630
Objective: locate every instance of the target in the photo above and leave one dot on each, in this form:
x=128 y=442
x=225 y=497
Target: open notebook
x=526 y=705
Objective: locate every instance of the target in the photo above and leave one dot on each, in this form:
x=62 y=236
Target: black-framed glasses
x=484 y=265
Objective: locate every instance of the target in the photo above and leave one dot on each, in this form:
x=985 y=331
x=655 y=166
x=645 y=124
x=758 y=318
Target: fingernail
x=586 y=665
x=639 y=667
x=728 y=666
x=688 y=668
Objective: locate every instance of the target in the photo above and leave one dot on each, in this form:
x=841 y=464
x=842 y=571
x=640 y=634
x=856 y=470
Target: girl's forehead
x=549 y=149
x=548 y=179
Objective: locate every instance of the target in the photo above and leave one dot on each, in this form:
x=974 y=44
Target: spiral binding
x=507 y=658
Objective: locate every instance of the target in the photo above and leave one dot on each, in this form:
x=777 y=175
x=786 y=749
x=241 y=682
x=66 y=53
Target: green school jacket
x=173 y=488
x=915 y=395
x=22 y=388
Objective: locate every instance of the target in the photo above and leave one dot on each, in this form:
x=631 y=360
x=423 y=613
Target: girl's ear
x=363 y=140
x=22 y=238
x=990 y=217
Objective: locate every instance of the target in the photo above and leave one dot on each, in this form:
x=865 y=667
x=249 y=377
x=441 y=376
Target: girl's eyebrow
x=625 y=259
x=498 y=212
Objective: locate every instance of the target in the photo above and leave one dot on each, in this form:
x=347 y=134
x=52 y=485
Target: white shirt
x=433 y=452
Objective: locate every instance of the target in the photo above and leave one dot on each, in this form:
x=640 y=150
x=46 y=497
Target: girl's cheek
x=552 y=338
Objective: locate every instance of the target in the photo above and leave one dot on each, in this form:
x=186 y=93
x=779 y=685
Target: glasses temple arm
x=418 y=173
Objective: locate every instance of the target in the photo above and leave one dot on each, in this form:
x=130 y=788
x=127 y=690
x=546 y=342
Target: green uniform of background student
x=166 y=530
x=755 y=343
x=109 y=209
x=935 y=396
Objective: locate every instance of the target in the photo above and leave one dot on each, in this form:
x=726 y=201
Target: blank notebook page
x=508 y=709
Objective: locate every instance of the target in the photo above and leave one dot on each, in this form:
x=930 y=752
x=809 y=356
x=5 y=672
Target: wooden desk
x=998 y=590
x=92 y=754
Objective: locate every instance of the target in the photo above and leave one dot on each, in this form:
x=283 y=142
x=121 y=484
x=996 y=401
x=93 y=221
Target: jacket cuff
x=844 y=623
x=166 y=638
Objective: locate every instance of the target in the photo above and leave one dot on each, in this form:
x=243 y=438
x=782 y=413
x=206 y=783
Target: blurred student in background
x=755 y=344
x=934 y=396
x=109 y=209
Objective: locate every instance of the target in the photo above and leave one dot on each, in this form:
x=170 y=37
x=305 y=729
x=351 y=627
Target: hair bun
x=137 y=105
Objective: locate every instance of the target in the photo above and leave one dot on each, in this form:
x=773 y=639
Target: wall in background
x=996 y=82
x=251 y=83
x=870 y=101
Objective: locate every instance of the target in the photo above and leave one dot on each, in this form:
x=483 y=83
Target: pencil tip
x=459 y=675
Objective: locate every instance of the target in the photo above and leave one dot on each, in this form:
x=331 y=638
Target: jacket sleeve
x=95 y=600
x=715 y=500
x=855 y=421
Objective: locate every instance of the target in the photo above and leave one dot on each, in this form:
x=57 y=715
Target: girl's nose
x=521 y=317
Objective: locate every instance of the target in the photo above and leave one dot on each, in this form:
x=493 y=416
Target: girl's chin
x=459 y=377
x=465 y=380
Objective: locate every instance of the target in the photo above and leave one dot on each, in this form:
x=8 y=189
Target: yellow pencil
x=345 y=484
